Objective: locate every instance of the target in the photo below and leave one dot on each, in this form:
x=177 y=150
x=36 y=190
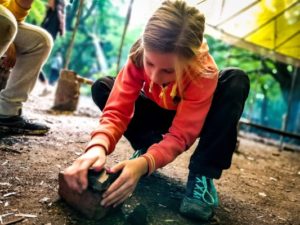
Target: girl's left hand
x=123 y=187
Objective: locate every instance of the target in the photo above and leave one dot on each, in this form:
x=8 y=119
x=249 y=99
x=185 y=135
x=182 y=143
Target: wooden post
x=124 y=34
x=70 y=48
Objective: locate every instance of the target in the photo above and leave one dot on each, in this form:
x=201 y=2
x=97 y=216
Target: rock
x=44 y=200
x=88 y=202
x=262 y=194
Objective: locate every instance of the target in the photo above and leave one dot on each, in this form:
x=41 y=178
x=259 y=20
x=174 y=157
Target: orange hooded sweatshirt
x=190 y=115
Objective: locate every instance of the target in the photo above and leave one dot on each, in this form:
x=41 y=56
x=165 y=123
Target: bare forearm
x=26 y=4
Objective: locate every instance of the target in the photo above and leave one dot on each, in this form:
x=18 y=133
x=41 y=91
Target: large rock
x=88 y=202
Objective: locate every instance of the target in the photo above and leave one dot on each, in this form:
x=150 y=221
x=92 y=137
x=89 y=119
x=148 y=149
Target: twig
x=14 y=221
x=5 y=149
x=9 y=194
x=4 y=215
x=26 y=215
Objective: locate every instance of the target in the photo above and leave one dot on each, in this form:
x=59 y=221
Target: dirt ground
x=262 y=186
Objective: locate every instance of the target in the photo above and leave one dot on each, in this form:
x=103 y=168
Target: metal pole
x=291 y=93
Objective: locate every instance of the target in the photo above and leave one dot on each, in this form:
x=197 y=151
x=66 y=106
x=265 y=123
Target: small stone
x=262 y=194
x=227 y=210
x=44 y=200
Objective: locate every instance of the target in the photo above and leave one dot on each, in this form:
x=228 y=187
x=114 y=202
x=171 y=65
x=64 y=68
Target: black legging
x=219 y=133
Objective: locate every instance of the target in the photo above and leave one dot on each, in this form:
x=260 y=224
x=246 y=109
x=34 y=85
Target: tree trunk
x=101 y=59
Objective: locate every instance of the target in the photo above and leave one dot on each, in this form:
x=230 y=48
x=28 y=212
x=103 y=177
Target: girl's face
x=159 y=67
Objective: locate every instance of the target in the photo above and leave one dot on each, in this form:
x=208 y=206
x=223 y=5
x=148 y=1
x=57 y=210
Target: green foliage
x=106 y=24
x=263 y=85
x=37 y=12
x=101 y=25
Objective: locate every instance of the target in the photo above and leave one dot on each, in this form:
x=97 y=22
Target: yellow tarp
x=268 y=27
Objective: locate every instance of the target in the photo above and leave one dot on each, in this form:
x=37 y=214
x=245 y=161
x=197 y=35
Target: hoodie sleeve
x=119 y=108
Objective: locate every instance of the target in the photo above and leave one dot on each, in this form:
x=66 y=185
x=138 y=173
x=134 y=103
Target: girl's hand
x=76 y=174
x=124 y=186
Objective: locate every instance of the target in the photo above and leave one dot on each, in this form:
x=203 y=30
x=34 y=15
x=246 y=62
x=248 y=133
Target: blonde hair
x=176 y=28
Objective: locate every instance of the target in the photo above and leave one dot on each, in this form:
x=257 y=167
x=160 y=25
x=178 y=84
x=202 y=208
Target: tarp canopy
x=268 y=27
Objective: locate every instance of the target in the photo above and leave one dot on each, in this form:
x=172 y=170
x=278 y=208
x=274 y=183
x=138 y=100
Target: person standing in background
x=26 y=48
x=56 y=65
x=54 y=23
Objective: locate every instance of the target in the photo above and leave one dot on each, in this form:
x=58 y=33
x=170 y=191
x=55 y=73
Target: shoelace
x=201 y=190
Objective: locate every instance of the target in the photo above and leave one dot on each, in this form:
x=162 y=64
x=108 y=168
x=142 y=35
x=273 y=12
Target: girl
x=168 y=94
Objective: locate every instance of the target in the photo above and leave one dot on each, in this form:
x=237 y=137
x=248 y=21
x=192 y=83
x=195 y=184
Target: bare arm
x=26 y=4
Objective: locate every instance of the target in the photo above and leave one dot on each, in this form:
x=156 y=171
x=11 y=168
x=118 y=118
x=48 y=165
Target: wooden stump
x=67 y=92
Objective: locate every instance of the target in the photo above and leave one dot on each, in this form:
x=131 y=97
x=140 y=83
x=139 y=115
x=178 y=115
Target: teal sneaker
x=138 y=153
x=201 y=198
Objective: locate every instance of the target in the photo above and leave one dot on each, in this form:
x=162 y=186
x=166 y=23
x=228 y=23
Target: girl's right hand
x=76 y=174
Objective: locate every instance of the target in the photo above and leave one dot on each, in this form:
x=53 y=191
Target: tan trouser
x=33 y=46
